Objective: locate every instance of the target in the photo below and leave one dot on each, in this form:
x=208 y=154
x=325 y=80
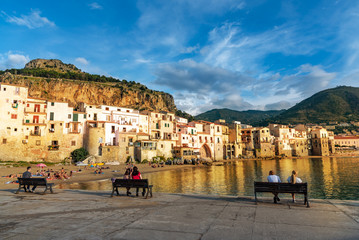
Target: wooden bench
x=131 y=183
x=24 y=182
x=275 y=188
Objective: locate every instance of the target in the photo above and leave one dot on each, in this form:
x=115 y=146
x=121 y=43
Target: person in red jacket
x=137 y=175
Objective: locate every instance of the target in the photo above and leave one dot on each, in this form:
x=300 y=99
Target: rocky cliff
x=51 y=64
x=115 y=93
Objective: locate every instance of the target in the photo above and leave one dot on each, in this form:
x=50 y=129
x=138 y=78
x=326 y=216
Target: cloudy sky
x=240 y=54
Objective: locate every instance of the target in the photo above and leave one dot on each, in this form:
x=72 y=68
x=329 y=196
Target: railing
x=28 y=121
x=35 y=133
x=27 y=110
x=51 y=130
x=53 y=147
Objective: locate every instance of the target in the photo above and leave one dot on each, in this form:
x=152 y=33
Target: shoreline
x=116 y=171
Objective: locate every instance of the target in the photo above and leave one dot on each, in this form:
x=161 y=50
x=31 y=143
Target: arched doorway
x=205 y=152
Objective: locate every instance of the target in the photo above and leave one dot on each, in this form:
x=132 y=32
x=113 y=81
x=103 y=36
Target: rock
x=51 y=64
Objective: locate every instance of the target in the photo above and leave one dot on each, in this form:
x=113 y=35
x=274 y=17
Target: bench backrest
x=130 y=183
x=280 y=187
x=32 y=181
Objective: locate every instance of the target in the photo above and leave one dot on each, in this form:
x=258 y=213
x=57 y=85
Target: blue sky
x=244 y=54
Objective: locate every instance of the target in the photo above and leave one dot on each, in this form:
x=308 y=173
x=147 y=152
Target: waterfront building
x=320 y=141
x=263 y=143
x=247 y=141
x=34 y=129
x=346 y=142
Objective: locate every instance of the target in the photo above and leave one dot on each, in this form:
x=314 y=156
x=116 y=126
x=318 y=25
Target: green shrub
x=144 y=161
x=79 y=154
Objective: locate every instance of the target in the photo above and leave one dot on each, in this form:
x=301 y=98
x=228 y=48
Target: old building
x=320 y=141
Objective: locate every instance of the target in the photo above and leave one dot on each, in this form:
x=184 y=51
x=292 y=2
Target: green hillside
x=335 y=104
x=247 y=117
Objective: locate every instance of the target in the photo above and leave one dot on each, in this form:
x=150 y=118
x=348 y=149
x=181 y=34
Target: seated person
x=294 y=179
x=275 y=179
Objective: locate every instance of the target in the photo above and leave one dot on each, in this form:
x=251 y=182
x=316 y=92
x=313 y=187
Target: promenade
x=78 y=214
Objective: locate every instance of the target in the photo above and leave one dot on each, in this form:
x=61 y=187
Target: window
x=161 y=145
x=52 y=126
x=4 y=140
x=52 y=104
x=15 y=129
x=28 y=105
x=4 y=89
x=73 y=143
x=69 y=116
x=52 y=116
x=13 y=116
x=107 y=108
x=112 y=129
x=38 y=142
x=84 y=116
x=55 y=143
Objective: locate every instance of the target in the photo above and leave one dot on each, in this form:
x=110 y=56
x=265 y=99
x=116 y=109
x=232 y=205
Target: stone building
x=320 y=141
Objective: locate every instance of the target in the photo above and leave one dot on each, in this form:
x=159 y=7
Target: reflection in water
x=327 y=177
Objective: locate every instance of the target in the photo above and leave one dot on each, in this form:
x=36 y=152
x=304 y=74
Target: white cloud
x=82 y=61
x=278 y=105
x=142 y=60
x=13 y=60
x=306 y=81
x=192 y=76
x=229 y=47
x=33 y=20
x=95 y=6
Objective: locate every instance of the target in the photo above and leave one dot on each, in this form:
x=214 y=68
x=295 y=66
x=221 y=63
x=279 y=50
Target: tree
x=79 y=154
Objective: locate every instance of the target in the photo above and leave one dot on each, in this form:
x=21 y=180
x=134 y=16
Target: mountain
x=335 y=104
x=339 y=104
x=56 y=81
x=251 y=117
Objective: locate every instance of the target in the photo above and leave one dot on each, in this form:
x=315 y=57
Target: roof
x=346 y=137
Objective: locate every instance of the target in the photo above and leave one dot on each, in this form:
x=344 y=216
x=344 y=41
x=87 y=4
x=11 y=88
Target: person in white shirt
x=294 y=179
x=272 y=177
x=275 y=179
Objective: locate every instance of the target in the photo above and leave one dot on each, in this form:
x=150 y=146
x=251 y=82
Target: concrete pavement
x=77 y=214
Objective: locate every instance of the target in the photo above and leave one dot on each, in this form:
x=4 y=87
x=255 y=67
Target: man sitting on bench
x=275 y=179
x=28 y=174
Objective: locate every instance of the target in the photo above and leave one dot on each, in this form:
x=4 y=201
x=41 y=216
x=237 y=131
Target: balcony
x=53 y=147
x=32 y=122
x=35 y=111
x=51 y=130
x=35 y=133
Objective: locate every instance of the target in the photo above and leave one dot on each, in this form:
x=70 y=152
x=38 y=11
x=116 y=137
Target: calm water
x=331 y=178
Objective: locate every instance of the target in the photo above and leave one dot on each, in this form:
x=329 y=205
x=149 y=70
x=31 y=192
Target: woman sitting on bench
x=293 y=179
x=137 y=175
